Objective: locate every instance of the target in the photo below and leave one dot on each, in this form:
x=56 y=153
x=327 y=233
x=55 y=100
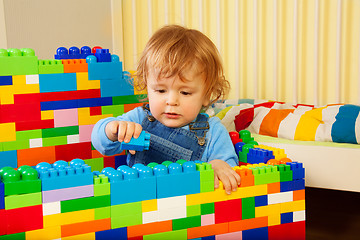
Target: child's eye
x=185 y=93
x=160 y=90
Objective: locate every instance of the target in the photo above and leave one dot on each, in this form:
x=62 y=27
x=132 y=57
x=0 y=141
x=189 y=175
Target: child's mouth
x=172 y=115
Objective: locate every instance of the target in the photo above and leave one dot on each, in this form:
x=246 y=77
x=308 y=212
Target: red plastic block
x=228 y=211
x=293 y=231
x=32 y=125
x=109 y=162
x=69 y=152
x=24 y=219
x=3 y=222
x=95 y=111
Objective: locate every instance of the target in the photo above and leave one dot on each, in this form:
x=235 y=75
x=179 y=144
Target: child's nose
x=172 y=99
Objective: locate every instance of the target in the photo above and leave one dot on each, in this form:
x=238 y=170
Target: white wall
x=45 y=25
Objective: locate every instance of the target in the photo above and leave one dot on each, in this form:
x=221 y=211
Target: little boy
x=182 y=72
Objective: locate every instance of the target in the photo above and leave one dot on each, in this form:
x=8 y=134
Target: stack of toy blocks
x=49 y=107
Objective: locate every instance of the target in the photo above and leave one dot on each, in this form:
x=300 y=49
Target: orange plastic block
x=149 y=228
x=299 y=195
x=285 y=160
x=247 y=177
x=246 y=224
x=85 y=227
x=273 y=187
x=33 y=156
x=128 y=107
x=273 y=162
x=208 y=230
x=75 y=65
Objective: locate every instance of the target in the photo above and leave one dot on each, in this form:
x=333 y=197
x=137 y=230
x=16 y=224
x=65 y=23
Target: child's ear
x=206 y=102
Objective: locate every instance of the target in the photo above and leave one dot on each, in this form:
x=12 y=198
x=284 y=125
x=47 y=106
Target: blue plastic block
x=95 y=102
x=116 y=87
x=73 y=53
x=261 y=200
x=129 y=185
x=287 y=186
x=238 y=147
x=299 y=184
x=177 y=180
x=138 y=144
x=104 y=70
x=103 y=55
x=8 y=159
x=6 y=80
x=255 y=234
x=60 y=175
x=2 y=195
x=286 y=217
x=57 y=82
x=57 y=105
x=112 y=234
x=208 y=238
x=120 y=160
x=258 y=155
x=298 y=170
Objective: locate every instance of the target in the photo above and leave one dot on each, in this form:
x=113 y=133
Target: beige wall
x=45 y=25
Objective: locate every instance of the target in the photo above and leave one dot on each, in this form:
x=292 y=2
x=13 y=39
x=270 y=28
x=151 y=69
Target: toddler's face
x=173 y=102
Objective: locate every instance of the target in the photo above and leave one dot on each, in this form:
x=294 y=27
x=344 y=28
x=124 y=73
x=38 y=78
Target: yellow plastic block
x=68 y=218
x=20 y=86
x=83 y=82
x=8 y=132
x=49 y=114
x=43 y=234
x=86 y=119
x=149 y=205
x=87 y=236
x=260 y=190
x=292 y=206
x=6 y=95
x=274 y=219
x=267 y=210
x=243 y=192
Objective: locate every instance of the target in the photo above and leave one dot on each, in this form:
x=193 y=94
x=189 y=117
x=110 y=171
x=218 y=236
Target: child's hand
x=123 y=131
x=224 y=173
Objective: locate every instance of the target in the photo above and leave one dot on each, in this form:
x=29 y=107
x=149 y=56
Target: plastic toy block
x=115 y=110
x=247 y=224
x=136 y=232
x=298 y=184
x=193 y=210
x=244 y=152
x=96 y=164
x=278 y=153
x=207 y=208
x=265 y=175
x=71 y=151
x=257 y=233
x=57 y=82
x=67 y=193
x=68 y=218
x=105 y=70
x=2 y=195
x=295 y=230
x=127 y=214
x=149 y=205
x=18 y=62
x=50 y=66
x=101 y=213
x=179 y=234
x=248 y=208
x=257 y=155
x=45 y=233
x=297 y=169
x=177 y=180
x=8 y=132
x=207 y=219
x=24 y=219
x=286 y=218
x=261 y=201
x=235 y=137
x=8 y=159
x=60 y=131
x=286 y=173
x=124 y=180
x=209 y=230
x=247 y=177
x=119 y=100
x=32 y=156
x=111 y=87
x=206 y=177
x=103 y=55
x=6 y=80
x=112 y=234
x=23 y=200
x=280 y=197
x=245 y=135
x=65 y=118
x=51 y=208
x=36 y=124
x=73 y=53
x=54 y=141
x=22 y=181
x=228 y=211
x=61 y=175
x=85 y=227
x=16 y=236
x=101 y=185
x=74 y=65
x=138 y=144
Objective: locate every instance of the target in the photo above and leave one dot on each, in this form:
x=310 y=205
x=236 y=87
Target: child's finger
x=216 y=181
x=137 y=131
x=130 y=128
x=122 y=130
x=237 y=178
x=132 y=152
x=233 y=183
x=226 y=182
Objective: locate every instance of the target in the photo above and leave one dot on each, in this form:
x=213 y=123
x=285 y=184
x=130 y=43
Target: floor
x=332 y=214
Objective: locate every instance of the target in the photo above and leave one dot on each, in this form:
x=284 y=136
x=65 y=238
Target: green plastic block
x=207 y=208
x=23 y=200
x=115 y=110
x=126 y=209
x=18 y=62
x=245 y=135
x=60 y=131
x=266 y=175
x=129 y=99
x=102 y=213
x=16 y=145
x=286 y=173
x=188 y=222
x=101 y=185
x=207 y=186
x=16 y=236
x=85 y=203
x=178 y=235
x=28 y=134
x=22 y=187
x=54 y=141
x=50 y=66
x=125 y=221
x=193 y=210
x=248 y=208
x=96 y=164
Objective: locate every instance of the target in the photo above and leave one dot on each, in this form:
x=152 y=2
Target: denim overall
x=172 y=144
